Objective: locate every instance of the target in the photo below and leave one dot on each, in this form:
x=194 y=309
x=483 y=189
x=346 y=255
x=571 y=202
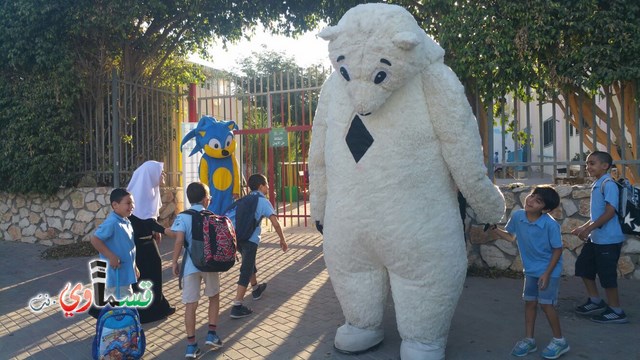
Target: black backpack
x=246 y=222
x=628 y=210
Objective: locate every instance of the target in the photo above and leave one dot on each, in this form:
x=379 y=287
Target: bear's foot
x=413 y=350
x=352 y=340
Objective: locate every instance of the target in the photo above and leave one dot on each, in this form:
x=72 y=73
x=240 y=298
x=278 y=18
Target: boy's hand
x=114 y=261
x=283 y=245
x=176 y=269
x=157 y=237
x=543 y=282
x=490 y=227
x=581 y=232
x=137 y=273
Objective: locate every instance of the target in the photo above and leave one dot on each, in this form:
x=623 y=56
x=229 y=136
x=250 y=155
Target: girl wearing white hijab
x=145 y=188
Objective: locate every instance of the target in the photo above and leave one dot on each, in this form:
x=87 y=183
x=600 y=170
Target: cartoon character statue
x=393 y=139
x=218 y=167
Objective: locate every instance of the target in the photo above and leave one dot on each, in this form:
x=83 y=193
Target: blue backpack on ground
x=245 y=216
x=628 y=210
x=119 y=334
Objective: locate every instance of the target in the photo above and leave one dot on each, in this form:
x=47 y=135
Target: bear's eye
x=227 y=143
x=380 y=76
x=344 y=73
x=214 y=144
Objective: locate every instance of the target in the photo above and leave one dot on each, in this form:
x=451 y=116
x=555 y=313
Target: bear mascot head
x=394 y=139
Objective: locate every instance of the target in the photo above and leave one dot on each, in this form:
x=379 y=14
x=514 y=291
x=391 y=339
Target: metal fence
x=274 y=114
x=144 y=126
x=549 y=139
x=542 y=140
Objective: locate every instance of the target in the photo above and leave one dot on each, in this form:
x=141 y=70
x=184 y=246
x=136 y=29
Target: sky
x=307 y=50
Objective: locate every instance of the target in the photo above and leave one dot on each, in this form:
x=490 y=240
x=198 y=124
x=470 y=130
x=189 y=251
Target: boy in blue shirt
x=198 y=196
x=603 y=239
x=540 y=245
x=259 y=187
x=114 y=241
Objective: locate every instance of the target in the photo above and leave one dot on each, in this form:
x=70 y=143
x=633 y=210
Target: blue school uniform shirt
x=536 y=241
x=116 y=233
x=263 y=210
x=610 y=232
x=183 y=224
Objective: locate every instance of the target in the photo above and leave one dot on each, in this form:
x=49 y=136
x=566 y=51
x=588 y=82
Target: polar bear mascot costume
x=393 y=138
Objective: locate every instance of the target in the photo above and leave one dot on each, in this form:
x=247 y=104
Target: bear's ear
x=329 y=33
x=405 y=40
x=435 y=53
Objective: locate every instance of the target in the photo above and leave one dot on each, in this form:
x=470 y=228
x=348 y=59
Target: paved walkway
x=297 y=316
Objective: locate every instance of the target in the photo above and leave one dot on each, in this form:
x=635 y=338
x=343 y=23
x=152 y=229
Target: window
x=548 y=131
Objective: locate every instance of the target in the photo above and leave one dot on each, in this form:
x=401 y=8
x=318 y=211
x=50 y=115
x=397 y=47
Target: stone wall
x=73 y=214
x=69 y=216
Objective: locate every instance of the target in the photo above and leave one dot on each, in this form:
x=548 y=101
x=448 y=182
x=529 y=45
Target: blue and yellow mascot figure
x=218 y=167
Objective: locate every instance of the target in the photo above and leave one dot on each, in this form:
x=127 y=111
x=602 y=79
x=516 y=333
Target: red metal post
x=193 y=111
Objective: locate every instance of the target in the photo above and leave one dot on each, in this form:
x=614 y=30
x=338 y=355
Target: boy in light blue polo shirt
x=540 y=245
x=259 y=187
x=603 y=242
x=114 y=241
x=198 y=196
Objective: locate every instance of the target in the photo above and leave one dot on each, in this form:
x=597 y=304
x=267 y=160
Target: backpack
x=119 y=334
x=628 y=210
x=246 y=222
x=213 y=245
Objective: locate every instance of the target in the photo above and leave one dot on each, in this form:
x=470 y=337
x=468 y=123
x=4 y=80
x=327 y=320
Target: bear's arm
x=317 y=169
x=457 y=130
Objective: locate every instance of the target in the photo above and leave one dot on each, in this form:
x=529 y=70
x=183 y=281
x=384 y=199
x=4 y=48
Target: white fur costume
x=393 y=136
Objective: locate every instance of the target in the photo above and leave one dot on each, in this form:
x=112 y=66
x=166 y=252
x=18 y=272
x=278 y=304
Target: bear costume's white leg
x=356 y=280
x=413 y=350
x=424 y=311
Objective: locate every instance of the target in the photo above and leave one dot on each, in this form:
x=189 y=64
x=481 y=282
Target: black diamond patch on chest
x=358 y=139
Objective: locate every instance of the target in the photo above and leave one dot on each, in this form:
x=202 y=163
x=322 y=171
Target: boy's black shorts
x=601 y=260
x=248 y=251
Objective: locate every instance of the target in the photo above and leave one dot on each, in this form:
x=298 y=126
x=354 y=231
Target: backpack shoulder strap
x=616 y=184
x=195 y=219
x=603 y=183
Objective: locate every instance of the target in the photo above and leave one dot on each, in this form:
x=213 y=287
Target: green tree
x=66 y=51
x=567 y=52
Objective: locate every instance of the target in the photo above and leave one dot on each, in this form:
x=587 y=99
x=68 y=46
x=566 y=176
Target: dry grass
x=493 y=273
x=79 y=249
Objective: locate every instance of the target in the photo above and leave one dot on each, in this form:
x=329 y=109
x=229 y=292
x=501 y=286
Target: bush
x=39 y=147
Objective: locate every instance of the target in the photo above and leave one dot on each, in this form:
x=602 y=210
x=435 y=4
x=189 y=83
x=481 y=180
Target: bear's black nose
x=225 y=152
